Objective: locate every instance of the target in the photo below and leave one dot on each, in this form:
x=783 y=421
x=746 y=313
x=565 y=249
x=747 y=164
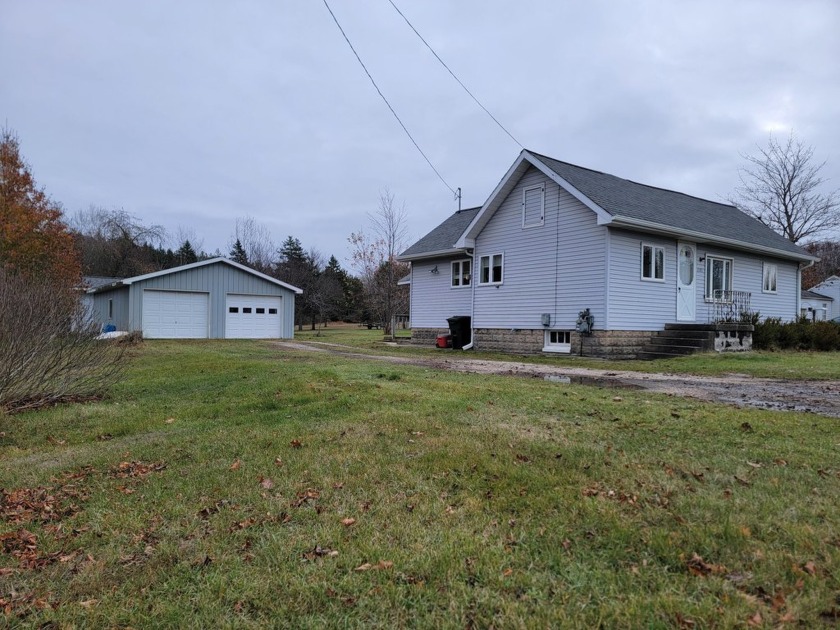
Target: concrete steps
x=679 y=340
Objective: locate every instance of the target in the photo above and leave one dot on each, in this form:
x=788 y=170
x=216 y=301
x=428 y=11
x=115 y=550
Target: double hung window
x=718 y=279
x=461 y=273
x=490 y=268
x=653 y=262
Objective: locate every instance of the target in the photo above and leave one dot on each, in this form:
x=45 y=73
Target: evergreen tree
x=237 y=253
x=186 y=254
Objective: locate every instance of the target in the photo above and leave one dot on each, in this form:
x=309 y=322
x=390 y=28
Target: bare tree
x=49 y=352
x=255 y=239
x=781 y=187
x=116 y=243
x=375 y=259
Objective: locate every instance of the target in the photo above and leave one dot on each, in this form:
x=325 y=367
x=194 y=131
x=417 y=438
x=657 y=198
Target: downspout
x=472 y=302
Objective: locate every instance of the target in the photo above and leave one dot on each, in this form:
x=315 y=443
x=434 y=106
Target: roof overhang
x=701 y=237
x=442 y=253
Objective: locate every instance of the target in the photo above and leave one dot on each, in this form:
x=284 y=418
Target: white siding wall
x=637 y=304
x=747 y=275
x=557 y=268
x=642 y=305
x=433 y=299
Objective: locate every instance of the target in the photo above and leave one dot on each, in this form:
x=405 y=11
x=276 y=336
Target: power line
x=396 y=8
x=362 y=63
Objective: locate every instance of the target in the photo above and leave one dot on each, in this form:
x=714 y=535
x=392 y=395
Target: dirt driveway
x=821 y=397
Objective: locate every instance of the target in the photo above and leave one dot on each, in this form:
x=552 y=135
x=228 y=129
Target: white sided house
x=826 y=294
x=562 y=258
x=210 y=299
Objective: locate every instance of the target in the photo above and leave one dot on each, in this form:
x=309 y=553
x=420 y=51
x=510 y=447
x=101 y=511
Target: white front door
x=686 y=282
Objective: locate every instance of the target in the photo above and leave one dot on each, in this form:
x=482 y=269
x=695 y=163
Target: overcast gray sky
x=193 y=113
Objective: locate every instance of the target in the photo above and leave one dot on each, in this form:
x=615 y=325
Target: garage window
x=233 y=309
x=272 y=311
x=260 y=311
x=246 y=309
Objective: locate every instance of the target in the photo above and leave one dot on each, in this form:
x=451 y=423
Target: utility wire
x=364 y=67
x=396 y=8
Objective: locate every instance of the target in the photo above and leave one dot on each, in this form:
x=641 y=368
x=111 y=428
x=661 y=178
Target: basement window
x=558 y=341
x=110 y=309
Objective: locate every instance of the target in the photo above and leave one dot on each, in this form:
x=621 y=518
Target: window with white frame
x=490 y=268
x=461 y=273
x=653 y=262
x=557 y=341
x=533 y=206
x=768 y=283
x=718 y=278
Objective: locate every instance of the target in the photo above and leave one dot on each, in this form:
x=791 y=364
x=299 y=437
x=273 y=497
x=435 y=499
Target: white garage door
x=175 y=315
x=253 y=317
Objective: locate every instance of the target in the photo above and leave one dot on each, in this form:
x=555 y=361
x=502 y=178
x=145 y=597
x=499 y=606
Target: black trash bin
x=461 y=328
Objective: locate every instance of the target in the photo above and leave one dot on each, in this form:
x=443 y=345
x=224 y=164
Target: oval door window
x=686 y=265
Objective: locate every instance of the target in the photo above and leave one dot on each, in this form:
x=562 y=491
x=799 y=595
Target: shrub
x=767 y=334
x=802 y=334
x=48 y=348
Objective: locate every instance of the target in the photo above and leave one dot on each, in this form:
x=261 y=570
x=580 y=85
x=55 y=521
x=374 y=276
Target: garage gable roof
x=201 y=263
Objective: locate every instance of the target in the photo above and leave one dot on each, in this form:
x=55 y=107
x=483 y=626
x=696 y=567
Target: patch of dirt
x=820 y=397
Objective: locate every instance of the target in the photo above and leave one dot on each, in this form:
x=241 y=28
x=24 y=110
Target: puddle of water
x=593 y=381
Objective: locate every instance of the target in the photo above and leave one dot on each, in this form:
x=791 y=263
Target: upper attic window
x=533 y=206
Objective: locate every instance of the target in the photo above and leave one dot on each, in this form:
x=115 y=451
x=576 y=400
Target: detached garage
x=216 y=299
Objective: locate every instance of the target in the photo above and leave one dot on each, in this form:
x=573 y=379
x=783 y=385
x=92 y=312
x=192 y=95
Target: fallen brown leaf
x=296 y=443
x=266 y=483
x=347 y=522
x=236 y=465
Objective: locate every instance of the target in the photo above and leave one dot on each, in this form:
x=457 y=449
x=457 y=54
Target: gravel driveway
x=821 y=397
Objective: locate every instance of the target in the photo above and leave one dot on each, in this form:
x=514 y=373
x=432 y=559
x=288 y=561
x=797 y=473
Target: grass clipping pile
x=49 y=352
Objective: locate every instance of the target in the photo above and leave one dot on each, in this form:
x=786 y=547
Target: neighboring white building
x=829 y=289
x=815 y=307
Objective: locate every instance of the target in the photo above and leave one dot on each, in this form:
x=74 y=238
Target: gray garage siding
x=218 y=280
x=120 y=308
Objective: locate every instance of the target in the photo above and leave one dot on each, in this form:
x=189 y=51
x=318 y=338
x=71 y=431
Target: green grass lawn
x=786 y=365
x=214 y=486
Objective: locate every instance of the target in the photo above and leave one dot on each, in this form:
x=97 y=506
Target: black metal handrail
x=730 y=306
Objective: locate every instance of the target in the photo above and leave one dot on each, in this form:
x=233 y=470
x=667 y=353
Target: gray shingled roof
x=813 y=295
x=442 y=239
x=625 y=198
